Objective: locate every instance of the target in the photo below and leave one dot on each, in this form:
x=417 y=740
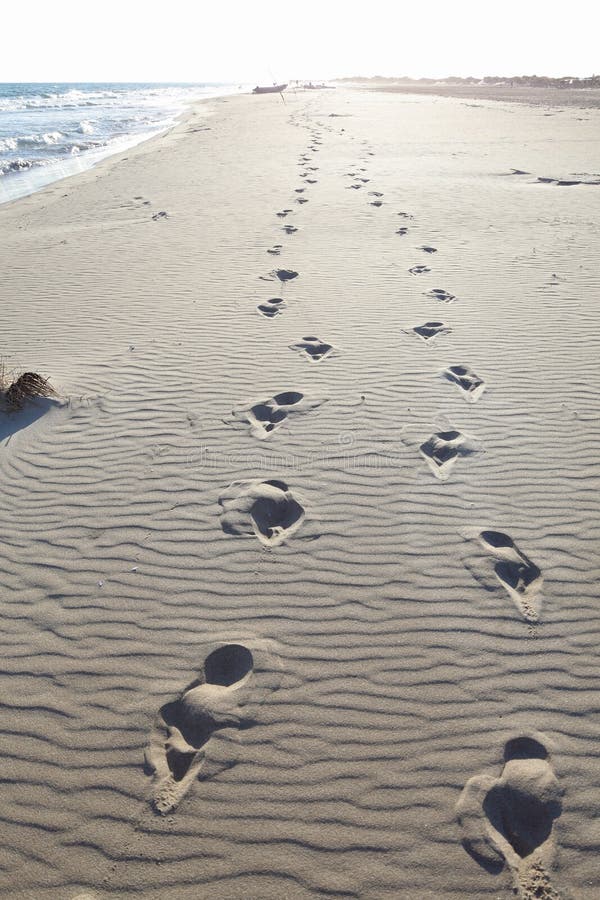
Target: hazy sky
x=248 y=40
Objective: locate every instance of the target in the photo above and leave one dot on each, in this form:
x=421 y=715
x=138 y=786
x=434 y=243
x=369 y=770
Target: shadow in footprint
x=266 y=416
x=271 y=308
x=176 y=754
x=313 y=348
x=509 y=820
x=430 y=330
x=282 y=275
x=442 y=450
x=470 y=384
x=441 y=295
x=419 y=270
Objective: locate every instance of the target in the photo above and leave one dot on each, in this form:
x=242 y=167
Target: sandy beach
x=300 y=566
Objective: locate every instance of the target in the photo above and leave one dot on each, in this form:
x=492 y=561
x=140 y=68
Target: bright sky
x=265 y=40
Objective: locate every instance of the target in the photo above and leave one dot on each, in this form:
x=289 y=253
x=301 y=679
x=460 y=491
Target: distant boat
x=272 y=89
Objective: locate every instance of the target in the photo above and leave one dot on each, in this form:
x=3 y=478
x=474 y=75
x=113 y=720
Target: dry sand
x=548 y=96
x=334 y=578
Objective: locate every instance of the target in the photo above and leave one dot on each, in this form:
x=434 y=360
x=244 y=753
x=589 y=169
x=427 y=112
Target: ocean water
x=48 y=131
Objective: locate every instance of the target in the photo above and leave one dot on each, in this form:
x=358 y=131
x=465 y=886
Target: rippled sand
x=376 y=502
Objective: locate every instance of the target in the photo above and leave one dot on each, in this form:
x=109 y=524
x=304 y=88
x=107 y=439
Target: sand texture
x=300 y=566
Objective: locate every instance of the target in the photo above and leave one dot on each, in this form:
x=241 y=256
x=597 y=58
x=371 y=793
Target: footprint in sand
x=509 y=820
x=430 y=330
x=313 y=348
x=160 y=215
x=376 y=203
x=442 y=450
x=265 y=416
x=275 y=250
x=282 y=275
x=299 y=190
x=302 y=200
x=518 y=575
x=233 y=681
x=375 y=193
x=471 y=385
x=427 y=249
x=419 y=270
x=271 y=308
x=402 y=231
x=290 y=229
x=311 y=181
x=266 y=509
x=284 y=213
x=441 y=295
x=354 y=187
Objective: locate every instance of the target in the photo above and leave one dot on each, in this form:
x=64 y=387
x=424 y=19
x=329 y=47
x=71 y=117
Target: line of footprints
x=506 y=820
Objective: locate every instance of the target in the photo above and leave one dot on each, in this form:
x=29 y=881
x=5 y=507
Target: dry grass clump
x=16 y=392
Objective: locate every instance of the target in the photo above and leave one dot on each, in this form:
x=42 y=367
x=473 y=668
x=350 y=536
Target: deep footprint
x=442 y=450
x=470 y=384
x=518 y=575
x=265 y=509
x=509 y=820
x=176 y=754
x=419 y=270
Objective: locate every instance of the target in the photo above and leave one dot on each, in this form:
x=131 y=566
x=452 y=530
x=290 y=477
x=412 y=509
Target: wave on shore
x=48 y=131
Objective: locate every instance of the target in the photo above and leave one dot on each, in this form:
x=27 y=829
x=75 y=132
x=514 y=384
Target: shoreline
x=36 y=180
x=401 y=569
